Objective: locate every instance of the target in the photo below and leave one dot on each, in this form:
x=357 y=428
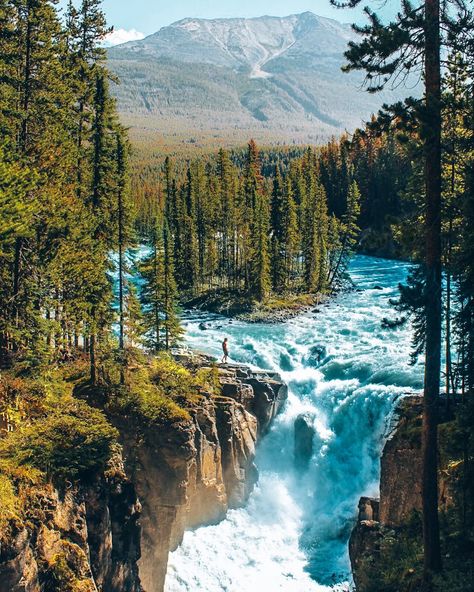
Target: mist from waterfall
x=292 y=535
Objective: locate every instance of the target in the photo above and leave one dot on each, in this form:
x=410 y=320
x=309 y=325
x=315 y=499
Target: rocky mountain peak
x=276 y=78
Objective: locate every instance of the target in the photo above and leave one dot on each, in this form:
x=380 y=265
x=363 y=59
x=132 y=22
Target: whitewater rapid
x=292 y=535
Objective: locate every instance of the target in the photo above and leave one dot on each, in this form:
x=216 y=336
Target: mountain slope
x=274 y=78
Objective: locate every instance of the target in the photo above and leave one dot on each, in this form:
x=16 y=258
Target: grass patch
x=70 y=443
x=161 y=391
x=290 y=302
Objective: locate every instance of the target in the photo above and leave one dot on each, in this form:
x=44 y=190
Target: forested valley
x=100 y=249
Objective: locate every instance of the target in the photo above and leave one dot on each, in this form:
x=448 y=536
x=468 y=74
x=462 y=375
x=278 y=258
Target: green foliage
x=68 y=571
x=254 y=223
x=69 y=443
x=161 y=392
x=143 y=401
x=8 y=502
x=159 y=295
x=63 y=175
x=398 y=566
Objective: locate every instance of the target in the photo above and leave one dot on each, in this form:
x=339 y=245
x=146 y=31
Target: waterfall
x=292 y=535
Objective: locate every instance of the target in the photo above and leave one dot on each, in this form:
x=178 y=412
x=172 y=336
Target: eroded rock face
x=400 y=489
x=117 y=531
x=400 y=466
x=304 y=436
x=191 y=473
x=93 y=529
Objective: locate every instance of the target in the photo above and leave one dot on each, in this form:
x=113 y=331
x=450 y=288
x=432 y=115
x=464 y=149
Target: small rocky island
x=114 y=531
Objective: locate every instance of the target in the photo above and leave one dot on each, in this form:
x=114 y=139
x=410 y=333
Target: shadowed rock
x=304 y=436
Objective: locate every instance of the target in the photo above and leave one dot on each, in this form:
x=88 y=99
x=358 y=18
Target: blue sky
x=136 y=18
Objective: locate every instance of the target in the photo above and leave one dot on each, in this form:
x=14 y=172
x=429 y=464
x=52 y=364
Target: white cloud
x=122 y=36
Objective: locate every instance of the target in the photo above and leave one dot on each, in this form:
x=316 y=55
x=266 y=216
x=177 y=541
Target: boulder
x=304 y=436
x=316 y=355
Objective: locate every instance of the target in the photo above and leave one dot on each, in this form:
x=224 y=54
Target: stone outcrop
x=114 y=534
x=304 y=437
x=400 y=488
x=190 y=473
x=400 y=466
x=90 y=532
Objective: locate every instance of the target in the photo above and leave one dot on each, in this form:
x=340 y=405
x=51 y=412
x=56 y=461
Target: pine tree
x=15 y=184
x=411 y=41
x=277 y=234
x=226 y=215
x=349 y=233
x=258 y=262
x=159 y=296
x=291 y=238
x=171 y=323
x=86 y=29
x=152 y=271
x=133 y=318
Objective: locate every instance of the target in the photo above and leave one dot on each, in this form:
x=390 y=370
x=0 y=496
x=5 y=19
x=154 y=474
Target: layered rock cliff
x=114 y=533
x=191 y=473
x=400 y=493
x=85 y=538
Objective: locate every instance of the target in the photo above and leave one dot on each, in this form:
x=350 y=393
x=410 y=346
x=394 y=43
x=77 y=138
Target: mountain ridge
x=275 y=77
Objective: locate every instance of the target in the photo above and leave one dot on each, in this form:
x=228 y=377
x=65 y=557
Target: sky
x=134 y=19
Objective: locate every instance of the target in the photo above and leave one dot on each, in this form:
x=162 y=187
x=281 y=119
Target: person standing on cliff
x=225 y=349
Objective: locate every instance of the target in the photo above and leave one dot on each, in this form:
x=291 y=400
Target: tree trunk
x=121 y=274
x=26 y=85
x=432 y=132
x=93 y=361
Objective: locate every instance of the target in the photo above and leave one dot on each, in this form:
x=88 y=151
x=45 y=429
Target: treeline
x=63 y=181
x=274 y=221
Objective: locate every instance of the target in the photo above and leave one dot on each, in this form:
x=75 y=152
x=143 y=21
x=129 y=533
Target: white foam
x=293 y=533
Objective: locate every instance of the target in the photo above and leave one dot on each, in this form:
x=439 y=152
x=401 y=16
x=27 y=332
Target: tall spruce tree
x=258 y=267
x=159 y=295
x=387 y=52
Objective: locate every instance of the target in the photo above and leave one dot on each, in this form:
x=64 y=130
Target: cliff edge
x=113 y=531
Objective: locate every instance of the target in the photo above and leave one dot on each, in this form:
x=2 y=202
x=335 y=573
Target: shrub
x=144 y=400
x=179 y=383
x=70 y=443
x=8 y=502
x=160 y=392
x=21 y=399
x=68 y=571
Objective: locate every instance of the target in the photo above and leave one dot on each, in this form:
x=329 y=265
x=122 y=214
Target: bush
x=144 y=400
x=70 y=443
x=179 y=383
x=68 y=571
x=21 y=399
x=8 y=502
x=161 y=392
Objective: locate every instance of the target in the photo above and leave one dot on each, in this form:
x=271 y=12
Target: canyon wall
x=191 y=473
x=400 y=491
x=85 y=538
x=114 y=533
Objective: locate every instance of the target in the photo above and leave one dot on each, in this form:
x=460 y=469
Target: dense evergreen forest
x=64 y=173
x=251 y=222
x=277 y=221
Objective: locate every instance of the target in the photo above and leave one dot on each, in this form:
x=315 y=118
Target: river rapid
x=292 y=535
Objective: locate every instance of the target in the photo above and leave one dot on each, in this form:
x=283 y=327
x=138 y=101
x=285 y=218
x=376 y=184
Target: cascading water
x=293 y=533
